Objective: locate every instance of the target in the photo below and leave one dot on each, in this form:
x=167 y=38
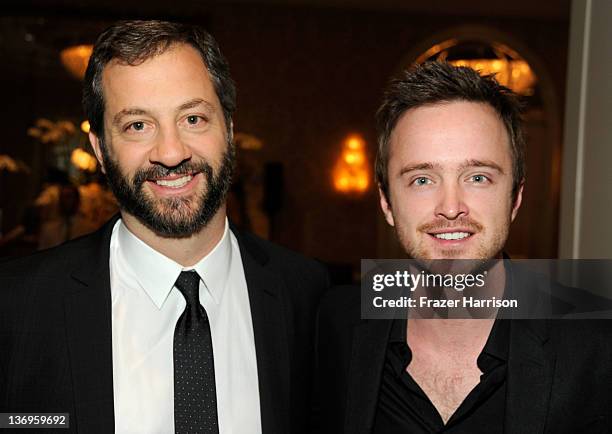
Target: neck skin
x=458 y=336
x=462 y=338
x=186 y=251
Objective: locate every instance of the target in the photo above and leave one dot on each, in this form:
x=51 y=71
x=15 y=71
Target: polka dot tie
x=195 y=396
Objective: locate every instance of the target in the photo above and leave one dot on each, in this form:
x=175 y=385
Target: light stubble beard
x=482 y=252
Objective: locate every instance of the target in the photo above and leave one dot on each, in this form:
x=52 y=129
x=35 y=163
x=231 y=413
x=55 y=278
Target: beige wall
x=586 y=195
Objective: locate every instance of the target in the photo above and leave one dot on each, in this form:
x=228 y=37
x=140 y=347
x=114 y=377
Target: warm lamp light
x=351 y=173
x=353 y=157
x=354 y=143
x=83 y=160
x=506 y=64
x=85 y=127
x=11 y=165
x=248 y=141
x=75 y=59
x=514 y=74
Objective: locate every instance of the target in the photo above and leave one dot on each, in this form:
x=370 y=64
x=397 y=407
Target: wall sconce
x=351 y=173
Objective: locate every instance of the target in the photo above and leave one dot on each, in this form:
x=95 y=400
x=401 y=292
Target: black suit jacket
x=559 y=377
x=55 y=332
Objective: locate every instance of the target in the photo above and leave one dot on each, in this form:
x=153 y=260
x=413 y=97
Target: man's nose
x=169 y=150
x=451 y=204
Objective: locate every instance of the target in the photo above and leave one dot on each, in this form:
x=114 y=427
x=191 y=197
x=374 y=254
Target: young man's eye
x=136 y=126
x=479 y=179
x=421 y=180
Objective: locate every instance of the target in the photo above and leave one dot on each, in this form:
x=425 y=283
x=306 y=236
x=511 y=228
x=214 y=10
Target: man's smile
x=174 y=184
x=452 y=235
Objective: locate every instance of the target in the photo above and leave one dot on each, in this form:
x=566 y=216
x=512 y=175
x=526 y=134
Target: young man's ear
x=95 y=144
x=385 y=205
x=517 y=200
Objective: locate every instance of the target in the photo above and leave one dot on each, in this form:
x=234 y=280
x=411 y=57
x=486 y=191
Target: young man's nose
x=451 y=204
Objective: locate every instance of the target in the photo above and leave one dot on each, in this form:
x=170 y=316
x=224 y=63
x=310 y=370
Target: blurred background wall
x=310 y=74
x=586 y=202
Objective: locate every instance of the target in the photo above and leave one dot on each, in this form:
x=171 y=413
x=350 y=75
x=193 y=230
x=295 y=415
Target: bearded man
x=167 y=319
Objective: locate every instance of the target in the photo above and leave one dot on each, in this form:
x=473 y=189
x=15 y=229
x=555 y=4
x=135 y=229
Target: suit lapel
x=270 y=328
x=88 y=328
x=530 y=373
x=370 y=339
x=531 y=364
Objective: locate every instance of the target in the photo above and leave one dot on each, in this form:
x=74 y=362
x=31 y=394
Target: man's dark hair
x=134 y=42
x=440 y=82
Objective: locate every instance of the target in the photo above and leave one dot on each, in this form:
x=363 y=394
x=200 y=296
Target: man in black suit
x=168 y=319
x=450 y=168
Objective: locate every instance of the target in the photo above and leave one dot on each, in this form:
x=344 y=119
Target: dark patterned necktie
x=195 y=396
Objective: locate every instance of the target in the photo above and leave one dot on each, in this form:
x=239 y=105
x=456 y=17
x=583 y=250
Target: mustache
x=159 y=171
x=462 y=222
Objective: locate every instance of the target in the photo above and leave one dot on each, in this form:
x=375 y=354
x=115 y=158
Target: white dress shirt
x=145 y=309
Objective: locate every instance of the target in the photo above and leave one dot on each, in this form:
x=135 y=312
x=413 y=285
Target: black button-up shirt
x=403 y=407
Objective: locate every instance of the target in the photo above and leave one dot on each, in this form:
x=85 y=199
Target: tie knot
x=188 y=283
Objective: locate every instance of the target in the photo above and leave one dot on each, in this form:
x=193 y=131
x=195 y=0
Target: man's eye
x=421 y=181
x=136 y=126
x=193 y=119
x=479 y=179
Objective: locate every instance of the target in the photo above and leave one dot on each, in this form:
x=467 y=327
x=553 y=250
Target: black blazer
x=559 y=377
x=55 y=332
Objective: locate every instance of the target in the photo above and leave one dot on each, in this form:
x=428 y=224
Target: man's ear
x=517 y=200
x=95 y=144
x=385 y=205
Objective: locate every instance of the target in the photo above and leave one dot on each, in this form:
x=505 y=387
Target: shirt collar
x=157 y=273
x=497 y=343
x=493 y=354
